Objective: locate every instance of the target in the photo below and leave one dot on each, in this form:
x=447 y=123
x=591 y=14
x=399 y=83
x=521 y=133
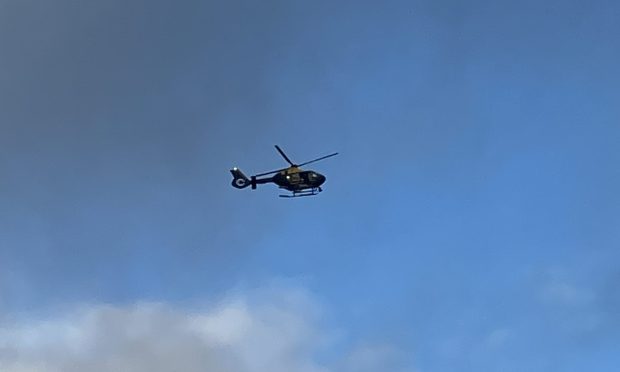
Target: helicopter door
x=294 y=178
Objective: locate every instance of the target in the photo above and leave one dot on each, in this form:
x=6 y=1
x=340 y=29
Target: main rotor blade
x=272 y=172
x=321 y=158
x=284 y=155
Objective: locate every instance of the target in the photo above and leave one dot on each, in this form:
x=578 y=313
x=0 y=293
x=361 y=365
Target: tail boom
x=241 y=181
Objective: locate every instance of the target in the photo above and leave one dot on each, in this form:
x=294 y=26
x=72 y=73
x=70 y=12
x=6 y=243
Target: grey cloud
x=112 y=123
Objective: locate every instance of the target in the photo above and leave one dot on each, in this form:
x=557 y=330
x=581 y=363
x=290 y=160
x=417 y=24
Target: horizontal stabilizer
x=239 y=181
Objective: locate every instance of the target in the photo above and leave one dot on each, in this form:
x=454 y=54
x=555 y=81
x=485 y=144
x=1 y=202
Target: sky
x=471 y=221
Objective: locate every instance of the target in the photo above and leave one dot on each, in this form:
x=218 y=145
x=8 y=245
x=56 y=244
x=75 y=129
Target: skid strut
x=299 y=194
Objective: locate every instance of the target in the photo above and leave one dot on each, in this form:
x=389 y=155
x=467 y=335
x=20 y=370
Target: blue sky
x=470 y=222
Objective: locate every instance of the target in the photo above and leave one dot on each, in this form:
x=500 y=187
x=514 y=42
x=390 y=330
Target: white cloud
x=374 y=358
x=566 y=293
x=559 y=288
x=238 y=334
x=267 y=330
x=498 y=338
x=575 y=304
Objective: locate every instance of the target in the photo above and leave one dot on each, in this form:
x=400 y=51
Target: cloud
x=560 y=289
x=237 y=334
x=573 y=307
x=119 y=124
x=266 y=330
x=374 y=358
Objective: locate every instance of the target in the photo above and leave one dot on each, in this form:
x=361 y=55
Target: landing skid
x=299 y=194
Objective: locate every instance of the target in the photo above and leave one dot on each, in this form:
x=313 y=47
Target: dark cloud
x=116 y=135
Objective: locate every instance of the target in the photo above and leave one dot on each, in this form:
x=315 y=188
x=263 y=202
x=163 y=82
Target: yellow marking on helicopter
x=291 y=170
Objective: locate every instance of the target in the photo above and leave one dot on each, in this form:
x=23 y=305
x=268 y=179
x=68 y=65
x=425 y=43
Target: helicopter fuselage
x=295 y=179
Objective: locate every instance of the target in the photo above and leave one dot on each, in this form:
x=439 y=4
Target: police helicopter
x=299 y=182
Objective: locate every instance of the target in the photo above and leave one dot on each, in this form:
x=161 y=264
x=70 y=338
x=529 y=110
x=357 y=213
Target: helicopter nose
x=320 y=178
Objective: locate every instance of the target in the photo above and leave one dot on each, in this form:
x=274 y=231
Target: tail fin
x=239 y=181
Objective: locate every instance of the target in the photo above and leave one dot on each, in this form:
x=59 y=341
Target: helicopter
x=299 y=182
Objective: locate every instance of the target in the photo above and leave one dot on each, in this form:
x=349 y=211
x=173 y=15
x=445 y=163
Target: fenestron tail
x=239 y=181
